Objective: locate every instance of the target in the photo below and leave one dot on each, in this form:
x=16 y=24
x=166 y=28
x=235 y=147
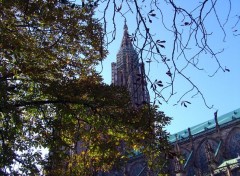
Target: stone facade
x=128 y=72
x=213 y=143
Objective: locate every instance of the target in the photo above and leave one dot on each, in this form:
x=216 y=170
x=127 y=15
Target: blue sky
x=222 y=91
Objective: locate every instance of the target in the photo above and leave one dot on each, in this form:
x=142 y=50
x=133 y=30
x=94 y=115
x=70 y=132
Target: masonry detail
x=128 y=72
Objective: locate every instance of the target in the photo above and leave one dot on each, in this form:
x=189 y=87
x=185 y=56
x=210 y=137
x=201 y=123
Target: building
x=210 y=148
x=128 y=72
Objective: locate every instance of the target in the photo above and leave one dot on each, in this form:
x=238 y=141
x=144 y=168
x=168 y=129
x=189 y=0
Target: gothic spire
x=126 y=41
x=125 y=26
x=128 y=72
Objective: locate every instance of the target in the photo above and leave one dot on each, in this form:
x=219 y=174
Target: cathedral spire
x=128 y=72
x=125 y=26
x=126 y=41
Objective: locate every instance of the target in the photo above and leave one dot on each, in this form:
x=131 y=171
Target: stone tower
x=128 y=72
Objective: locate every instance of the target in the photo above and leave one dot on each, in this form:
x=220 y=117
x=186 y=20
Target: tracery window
x=202 y=155
x=188 y=164
x=233 y=143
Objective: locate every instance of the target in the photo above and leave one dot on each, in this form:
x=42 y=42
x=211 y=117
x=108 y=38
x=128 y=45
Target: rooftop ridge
x=209 y=124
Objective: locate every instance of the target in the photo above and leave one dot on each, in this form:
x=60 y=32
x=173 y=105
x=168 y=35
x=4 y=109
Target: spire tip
x=125 y=24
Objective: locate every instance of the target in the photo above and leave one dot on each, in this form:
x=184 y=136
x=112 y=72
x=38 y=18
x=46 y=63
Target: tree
x=188 y=43
x=52 y=97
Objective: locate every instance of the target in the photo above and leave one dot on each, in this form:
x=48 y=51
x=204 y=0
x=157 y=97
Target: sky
x=222 y=91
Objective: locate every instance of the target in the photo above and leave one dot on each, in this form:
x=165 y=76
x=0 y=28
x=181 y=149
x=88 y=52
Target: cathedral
x=210 y=148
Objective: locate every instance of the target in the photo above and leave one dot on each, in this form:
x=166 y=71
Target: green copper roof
x=203 y=127
x=231 y=164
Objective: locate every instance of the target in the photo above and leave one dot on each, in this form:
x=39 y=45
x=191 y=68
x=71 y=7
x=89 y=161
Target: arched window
x=206 y=148
x=233 y=143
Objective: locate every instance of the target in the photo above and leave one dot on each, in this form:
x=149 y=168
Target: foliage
x=52 y=97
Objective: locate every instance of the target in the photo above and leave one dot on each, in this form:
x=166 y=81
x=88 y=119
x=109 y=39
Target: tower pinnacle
x=126 y=41
x=125 y=25
x=128 y=72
